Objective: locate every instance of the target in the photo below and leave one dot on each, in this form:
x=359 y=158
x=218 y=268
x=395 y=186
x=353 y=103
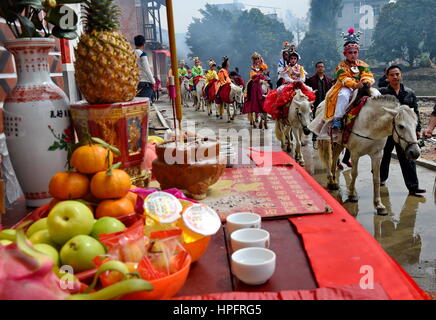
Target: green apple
x=79 y=251
x=107 y=225
x=42 y=236
x=49 y=251
x=40 y=224
x=8 y=234
x=68 y=219
x=5 y=242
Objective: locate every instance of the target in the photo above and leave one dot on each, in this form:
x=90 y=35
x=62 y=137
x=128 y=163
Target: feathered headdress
x=211 y=63
x=196 y=59
x=351 y=39
x=293 y=51
x=256 y=55
x=286 y=46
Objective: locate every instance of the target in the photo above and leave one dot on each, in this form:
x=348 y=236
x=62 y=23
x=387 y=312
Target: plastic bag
x=129 y=245
x=166 y=255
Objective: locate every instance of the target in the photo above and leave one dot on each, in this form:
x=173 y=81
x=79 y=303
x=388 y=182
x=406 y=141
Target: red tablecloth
x=343 y=253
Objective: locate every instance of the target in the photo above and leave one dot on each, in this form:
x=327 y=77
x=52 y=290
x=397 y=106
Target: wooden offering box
x=124 y=125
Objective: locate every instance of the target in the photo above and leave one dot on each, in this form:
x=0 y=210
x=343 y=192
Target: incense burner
x=191 y=165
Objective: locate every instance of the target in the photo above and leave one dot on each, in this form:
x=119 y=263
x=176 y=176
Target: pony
x=237 y=98
x=184 y=91
x=199 y=100
x=380 y=117
x=295 y=125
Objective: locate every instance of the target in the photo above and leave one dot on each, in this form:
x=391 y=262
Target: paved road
x=407 y=233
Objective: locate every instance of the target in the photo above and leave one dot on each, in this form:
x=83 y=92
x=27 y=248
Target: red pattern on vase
x=33 y=93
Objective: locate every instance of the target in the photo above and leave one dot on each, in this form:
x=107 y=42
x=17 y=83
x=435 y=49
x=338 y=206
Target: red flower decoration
x=69 y=133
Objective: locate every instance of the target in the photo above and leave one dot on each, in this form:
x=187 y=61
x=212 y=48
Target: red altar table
x=319 y=256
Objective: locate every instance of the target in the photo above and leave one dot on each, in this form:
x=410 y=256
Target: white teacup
x=242 y=220
x=253 y=266
x=246 y=238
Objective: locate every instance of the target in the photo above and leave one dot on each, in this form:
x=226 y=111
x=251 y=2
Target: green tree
x=220 y=33
x=320 y=43
x=405 y=30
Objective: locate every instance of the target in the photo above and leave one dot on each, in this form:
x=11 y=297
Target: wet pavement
x=407 y=233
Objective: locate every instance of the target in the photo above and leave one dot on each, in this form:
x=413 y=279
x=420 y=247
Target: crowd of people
x=351 y=74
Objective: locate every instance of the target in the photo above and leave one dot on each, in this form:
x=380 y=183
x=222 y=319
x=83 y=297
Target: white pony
x=184 y=91
x=237 y=98
x=380 y=117
x=199 y=101
x=295 y=125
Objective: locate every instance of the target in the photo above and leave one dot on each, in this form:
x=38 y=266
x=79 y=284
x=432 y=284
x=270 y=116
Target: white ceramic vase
x=34 y=105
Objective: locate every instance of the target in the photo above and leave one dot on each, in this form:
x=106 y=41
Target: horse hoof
x=333 y=186
x=221 y=117
x=352 y=199
x=382 y=212
x=228 y=121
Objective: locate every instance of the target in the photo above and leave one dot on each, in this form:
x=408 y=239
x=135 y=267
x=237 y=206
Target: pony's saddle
x=357 y=102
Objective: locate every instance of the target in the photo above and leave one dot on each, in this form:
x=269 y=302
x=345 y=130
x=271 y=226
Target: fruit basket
x=164 y=288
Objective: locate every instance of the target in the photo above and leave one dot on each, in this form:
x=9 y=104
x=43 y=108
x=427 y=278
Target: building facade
x=232 y=6
x=362 y=15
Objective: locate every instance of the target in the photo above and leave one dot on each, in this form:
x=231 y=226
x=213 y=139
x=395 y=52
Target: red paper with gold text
x=272 y=192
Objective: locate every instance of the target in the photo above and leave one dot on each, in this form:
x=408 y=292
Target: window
x=377 y=9
x=340 y=14
x=356 y=7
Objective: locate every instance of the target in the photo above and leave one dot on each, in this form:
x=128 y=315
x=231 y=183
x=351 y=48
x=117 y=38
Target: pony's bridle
x=394 y=130
x=299 y=119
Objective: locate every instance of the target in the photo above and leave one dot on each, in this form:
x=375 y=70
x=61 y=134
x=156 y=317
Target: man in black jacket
x=405 y=96
x=320 y=83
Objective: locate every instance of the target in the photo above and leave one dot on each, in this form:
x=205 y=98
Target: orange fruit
x=132 y=196
x=114 y=186
x=68 y=185
x=90 y=159
x=114 y=208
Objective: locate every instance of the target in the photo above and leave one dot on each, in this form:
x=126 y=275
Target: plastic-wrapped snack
x=166 y=255
x=129 y=245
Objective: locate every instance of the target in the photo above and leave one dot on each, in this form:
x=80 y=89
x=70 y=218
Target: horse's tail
x=325 y=152
x=279 y=129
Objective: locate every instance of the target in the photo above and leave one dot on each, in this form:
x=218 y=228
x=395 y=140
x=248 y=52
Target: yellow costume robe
x=346 y=77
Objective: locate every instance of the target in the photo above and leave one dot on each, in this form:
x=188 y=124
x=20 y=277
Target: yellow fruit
x=106 y=67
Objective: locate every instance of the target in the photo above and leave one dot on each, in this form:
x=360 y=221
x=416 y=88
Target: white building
x=362 y=15
x=233 y=6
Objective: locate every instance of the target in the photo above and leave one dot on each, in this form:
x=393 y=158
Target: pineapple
x=106 y=65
